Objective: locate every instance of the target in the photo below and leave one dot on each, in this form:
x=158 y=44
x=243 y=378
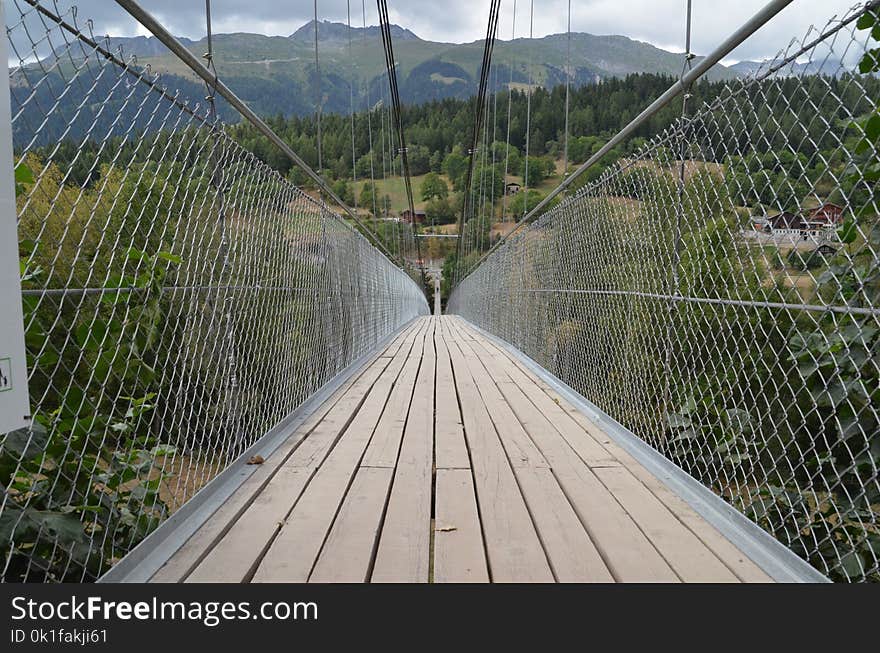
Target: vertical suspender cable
x=673 y=288
x=467 y=200
x=230 y=377
x=494 y=86
x=509 y=105
x=567 y=89
x=351 y=107
x=528 y=108
x=385 y=26
x=369 y=113
x=318 y=96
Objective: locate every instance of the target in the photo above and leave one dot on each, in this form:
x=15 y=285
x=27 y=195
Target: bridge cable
x=466 y=208
x=369 y=113
x=509 y=107
x=494 y=136
x=217 y=181
x=385 y=25
x=484 y=173
x=351 y=109
x=318 y=95
x=528 y=108
x=673 y=289
x=567 y=90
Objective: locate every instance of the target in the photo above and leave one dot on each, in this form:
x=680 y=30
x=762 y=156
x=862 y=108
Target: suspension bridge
x=234 y=378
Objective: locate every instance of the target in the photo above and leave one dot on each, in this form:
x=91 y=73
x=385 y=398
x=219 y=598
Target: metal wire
x=180 y=299
x=718 y=294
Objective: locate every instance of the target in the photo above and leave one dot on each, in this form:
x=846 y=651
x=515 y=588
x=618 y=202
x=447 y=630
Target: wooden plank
x=520 y=450
x=685 y=553
x=550 y=410
x=235 y=555
x=729 y=554
x=293 y=553
x=384 y=447
x=735 y=560
x=629 y=555
x=573 y=556
x=195 y=549
x=450 y=449
x=403 y=554
x=348 y=551
x=459 y=555
x=514 y=551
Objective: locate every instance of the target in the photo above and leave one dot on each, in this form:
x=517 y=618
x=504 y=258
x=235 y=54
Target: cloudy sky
x=656 y=21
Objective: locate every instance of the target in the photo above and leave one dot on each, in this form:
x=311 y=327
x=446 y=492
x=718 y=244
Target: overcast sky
x=660 y=22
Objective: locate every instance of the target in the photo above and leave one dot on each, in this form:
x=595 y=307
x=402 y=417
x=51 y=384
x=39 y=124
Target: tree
x=433 y=187
x=367 y=198
x=521 y=204
x=419 y=158
x=436 y=161
x=539 y=168
x=364 y=166
x=440 y=211
x=343 y=190
x=455 y=166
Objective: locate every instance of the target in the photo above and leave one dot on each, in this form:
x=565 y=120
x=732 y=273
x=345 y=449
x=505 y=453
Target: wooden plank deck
x=445 y=460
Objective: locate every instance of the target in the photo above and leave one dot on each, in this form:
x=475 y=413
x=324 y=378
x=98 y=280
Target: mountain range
x=276 y=74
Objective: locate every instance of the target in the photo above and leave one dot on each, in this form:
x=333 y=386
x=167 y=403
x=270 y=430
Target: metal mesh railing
x=180 y=299
x=719 y=295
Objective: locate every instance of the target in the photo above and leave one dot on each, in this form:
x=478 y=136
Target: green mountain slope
x=276 y=74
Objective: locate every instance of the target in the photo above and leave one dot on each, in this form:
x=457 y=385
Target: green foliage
x=433 y=187
x=368 y=198
x=805 y=261
x=24 y=176
x=344 y=191
x=455 y=166
x=440 y=211
x=523 y=202
x=83 y=483
x=539 y=168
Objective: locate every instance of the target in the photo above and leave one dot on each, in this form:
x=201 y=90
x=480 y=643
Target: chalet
x=420 y=216
x=786 y=223
x=825 y=215
x=795 y=226
x=512 y=188
x=809 y=223
x=826 y=250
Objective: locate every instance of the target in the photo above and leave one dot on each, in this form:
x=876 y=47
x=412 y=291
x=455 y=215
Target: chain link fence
x=719 y=295
x=180 y=298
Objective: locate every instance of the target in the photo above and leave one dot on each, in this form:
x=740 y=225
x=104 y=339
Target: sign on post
x=14 y=401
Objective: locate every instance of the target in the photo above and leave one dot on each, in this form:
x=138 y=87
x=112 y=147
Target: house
x=786 y=223
x=826 y=250
x=512 y=188
x=826 y=215
x=420 y=216
x=797 y=226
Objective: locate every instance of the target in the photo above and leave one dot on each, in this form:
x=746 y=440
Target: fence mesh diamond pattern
x=719 y=295
x=180 y=298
